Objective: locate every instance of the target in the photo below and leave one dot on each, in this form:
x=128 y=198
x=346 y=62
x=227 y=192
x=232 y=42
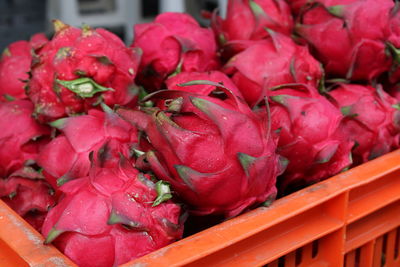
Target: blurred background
x=19 y=19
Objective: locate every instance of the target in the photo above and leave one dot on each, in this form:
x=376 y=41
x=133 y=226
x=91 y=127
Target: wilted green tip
x=137 y=153
x=393 y=51
x=8 y=98
x=175 y=105
x=107 y=61
x=337 y=11
x=12 y=195
x=200 y=103
x=283 y=163
x=184 y=173
x=201 y=82
x=278 y=99
x=268 y=202
x=6 y=52
x=115 y=218
x=163 y=193
x=58 y=124
x=222 y=39
x=347 y=111
x=52 y=235
x=106 y=108
x=177 y=70
x=86 y=29
x=256 y=9
x=246 y=161
x=62 y=180
x=142 y=93
x=58 y=25
x=396 y=106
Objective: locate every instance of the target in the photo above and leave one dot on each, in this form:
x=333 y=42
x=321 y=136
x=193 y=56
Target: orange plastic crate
x=352 y=219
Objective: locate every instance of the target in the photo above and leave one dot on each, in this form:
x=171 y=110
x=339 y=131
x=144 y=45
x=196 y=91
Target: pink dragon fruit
x=67 y=156
x=37 y=41
x=310 y=136
x=253 y=17
x=79 y=68
x=217 y=155
x=173 y=42
x=126 y=215
x=15 y=64
x=21 y=137
x=371 y=119
x=28 y=194
x=173 y=83
x=361 y=53
x=269 y=63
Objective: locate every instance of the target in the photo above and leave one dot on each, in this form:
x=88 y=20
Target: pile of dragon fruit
x=107 y=149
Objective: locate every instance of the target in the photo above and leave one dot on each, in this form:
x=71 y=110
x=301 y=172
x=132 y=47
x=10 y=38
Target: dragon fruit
x=21 y=137
x=173 y=83
x=173 y=42
x=269 y=63
x=253 y=17
x=217 y=155
x=310 y=136
x=28 y=194
x=79 y=68
x=126 y=215
x=362 y=53
x=15 y=63
x=371 y=119
x=67 y=156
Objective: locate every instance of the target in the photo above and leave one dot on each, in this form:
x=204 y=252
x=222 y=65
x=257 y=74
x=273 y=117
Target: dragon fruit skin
x=37 y=41
x=21 y=137
x=217 y=155
x=173 y=83
x=272 y=62
x=118 y=222
x=15 y=64
x=77 y=69
x=362 y=53
x=252 y=17
x=67 y=156
x=173 y=42
x=310 y=136
x=28 y=194
x=372 y=120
